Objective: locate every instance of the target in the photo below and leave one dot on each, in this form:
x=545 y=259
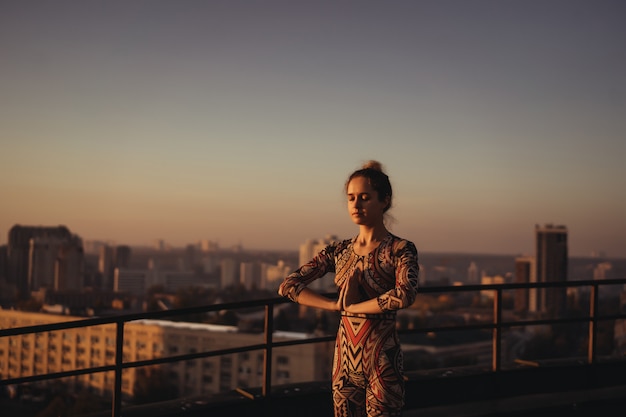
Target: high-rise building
x=488 y=280
x=250 y=275
x=111 y=258
x=273 y=275
x=602 y=270
x=551 y=266
x=3 y=263
x=133 y=281
x=472 y=273
x=229 y=272
x=121 y=256
x=69 y=271
x=106 y=267
x=312 y=247
x=44 y=257
x=525 y=272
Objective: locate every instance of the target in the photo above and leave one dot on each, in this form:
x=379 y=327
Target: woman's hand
x=342 y=291
x=348 y=294
x=351 y=301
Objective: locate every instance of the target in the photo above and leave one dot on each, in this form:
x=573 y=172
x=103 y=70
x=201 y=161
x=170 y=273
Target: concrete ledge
x=606 y=402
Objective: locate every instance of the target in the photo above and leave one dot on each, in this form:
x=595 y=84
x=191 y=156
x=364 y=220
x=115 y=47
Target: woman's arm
x=401 y=296
x=295 y=285
x=310 y=298
x=407 y=270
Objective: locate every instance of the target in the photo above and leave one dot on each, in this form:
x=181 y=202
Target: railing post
x=267 y=369
x=593 y=314
x=119 y=358
x=496 y=335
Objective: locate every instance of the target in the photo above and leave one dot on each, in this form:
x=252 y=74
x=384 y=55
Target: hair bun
x=375 y=165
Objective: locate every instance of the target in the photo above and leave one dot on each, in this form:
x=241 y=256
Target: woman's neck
x=371 y=235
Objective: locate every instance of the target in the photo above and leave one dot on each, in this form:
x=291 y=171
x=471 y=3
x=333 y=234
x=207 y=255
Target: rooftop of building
x=581 y=386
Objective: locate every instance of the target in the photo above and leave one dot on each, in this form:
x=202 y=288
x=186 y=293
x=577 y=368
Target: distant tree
x=191 y=297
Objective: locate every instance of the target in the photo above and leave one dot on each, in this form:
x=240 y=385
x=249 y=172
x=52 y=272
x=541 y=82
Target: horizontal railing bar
x=148 y=315
x=520 y=285
x=490 y=326
x=295 y=342
x=193 y=356
x=96 y=321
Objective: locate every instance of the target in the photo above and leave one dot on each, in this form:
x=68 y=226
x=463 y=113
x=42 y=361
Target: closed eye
x=362 y=197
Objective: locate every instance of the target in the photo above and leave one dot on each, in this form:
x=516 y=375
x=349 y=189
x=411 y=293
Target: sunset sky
x=239 y=121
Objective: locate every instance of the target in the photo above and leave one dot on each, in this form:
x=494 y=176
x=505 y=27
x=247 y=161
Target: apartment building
x=94 y=346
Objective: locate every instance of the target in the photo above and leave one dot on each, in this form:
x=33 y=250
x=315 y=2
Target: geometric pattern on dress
x=367 y=377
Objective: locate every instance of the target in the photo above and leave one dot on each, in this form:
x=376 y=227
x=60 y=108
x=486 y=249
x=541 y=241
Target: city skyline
x=239 y=122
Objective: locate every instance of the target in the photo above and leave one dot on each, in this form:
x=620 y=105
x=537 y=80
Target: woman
x=376 y=274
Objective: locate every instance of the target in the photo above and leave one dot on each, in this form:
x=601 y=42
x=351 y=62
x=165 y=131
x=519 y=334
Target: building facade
x=84 y=347
x=308 y=250
x=551 y=266
x=525 y=272
x=44 y=257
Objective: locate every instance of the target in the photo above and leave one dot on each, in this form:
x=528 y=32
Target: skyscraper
x=106 y=267
x=38 y=256
x=525 y=272
x=551 y=263
x=56 y=264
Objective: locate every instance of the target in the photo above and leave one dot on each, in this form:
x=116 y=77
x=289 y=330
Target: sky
x=240 y=121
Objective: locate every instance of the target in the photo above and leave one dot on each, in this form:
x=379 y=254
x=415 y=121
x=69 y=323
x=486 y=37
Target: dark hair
x=373 y=172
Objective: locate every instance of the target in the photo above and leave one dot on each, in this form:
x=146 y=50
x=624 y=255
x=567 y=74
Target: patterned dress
x=367 y=378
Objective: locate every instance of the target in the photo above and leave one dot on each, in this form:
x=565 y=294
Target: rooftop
x=580 y=386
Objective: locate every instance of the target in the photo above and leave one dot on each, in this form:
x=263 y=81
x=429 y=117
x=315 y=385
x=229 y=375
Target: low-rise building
x=85 y=347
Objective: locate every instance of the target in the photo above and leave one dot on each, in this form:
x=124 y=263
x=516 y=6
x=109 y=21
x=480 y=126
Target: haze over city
x=239 y=122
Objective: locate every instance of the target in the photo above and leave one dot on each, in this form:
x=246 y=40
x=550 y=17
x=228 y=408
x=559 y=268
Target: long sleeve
x=316 y=268
x=406 y=278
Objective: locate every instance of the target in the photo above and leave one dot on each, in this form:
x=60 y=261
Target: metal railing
x=496 y=327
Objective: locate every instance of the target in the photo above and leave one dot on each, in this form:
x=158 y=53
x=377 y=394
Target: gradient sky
x=239 y=121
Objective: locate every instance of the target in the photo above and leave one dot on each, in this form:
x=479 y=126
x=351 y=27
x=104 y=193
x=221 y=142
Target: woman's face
x=364 y=206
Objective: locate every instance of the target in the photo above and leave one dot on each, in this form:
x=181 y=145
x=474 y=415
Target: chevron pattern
x=367 y=369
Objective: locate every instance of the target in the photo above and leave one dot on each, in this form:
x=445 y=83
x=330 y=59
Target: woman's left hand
x=349 y=294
